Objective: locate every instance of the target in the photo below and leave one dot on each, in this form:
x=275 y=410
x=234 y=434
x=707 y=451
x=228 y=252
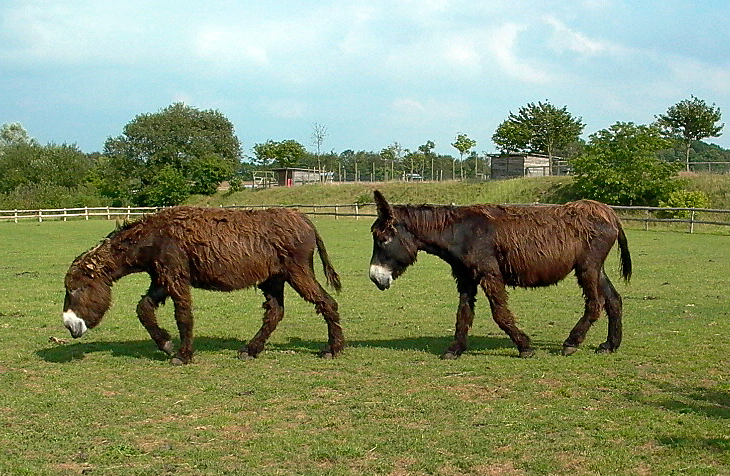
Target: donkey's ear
x=384 y=209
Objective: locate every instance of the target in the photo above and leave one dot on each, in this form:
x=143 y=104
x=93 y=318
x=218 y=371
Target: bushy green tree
x=168 y=187
x=620 y=166
x=23 y=163
x=287 y=153
x=200 y=145
x=538 y=128
x=689 y=121
x=14 y=133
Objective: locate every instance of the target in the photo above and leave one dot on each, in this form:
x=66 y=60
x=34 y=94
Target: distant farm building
x=505 y=166
x=290 y=176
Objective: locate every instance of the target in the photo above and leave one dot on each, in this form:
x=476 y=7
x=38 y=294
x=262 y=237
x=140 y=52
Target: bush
x=683 y=199
x=620 y=167
x=35 y=196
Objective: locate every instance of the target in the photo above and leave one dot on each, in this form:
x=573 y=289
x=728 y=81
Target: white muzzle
x=381 y=276
x=74 y=324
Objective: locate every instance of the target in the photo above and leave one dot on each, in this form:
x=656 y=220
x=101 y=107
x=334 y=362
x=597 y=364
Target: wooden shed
x=506 y=166
x=291 y=176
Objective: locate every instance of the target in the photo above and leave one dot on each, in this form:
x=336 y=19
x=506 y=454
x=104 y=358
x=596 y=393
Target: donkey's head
x=394 y=247
x=88 y=293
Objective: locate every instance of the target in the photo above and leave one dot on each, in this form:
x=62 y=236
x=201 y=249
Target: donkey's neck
x=432 y=227
x=105 y=262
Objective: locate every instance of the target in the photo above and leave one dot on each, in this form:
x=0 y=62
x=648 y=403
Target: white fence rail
x=645 y=215
x=66 y=213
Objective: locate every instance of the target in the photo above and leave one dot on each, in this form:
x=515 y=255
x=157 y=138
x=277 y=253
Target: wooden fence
x=692 y=217
x=83 y=213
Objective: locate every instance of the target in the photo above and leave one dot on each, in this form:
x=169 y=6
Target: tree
x=538 y=128
x=287 y=153
x=388 y=154
x=426 y=149
x=15 y=134
x=319 y=133
x=621 y=167
x=168 y=187
x=27 y=162
x=182 y=137
x=463 y=144
x=688 y=121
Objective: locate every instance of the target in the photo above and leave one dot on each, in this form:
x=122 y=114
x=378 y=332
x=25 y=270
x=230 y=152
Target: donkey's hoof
x=448 y=355
x=604 y=349
x=168 y=348
x=527 y=353
x=177 y=361
x=244 y=355
x=328 y=353
x=569 y=350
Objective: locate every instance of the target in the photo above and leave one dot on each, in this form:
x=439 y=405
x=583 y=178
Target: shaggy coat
x=208 y=248
x=496 y=246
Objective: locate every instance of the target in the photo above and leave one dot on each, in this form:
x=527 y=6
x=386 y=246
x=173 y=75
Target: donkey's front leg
x=146 y=314
x=464 y=317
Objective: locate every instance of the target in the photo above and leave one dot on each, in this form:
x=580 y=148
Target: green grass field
x=110 y=403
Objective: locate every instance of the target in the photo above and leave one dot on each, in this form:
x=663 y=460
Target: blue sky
x=372 y=72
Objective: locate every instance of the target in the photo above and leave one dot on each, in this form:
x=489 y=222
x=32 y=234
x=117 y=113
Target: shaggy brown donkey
x=496 y=246
x=207 y=248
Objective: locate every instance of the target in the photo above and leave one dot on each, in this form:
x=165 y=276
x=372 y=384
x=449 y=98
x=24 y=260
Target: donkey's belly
x=230 y=275
x=541 y=273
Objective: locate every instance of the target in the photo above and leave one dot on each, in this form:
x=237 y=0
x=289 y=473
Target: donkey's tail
x=625 y=265
x=333 y=279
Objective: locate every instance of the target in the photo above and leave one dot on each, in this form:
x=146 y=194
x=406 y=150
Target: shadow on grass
x=705 y=445
x=711 y=402
x=146 y=349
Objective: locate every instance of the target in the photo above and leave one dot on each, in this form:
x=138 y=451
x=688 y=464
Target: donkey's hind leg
x=308 y=288
x=493 y=287
x=588 y=280
x=613 y=306
x=155 y=296
x=273 y=289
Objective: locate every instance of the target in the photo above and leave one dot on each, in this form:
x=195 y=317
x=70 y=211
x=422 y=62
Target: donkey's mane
x=435 y=218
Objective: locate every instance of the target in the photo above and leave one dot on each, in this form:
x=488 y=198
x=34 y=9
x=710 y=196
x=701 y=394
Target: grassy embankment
x=543 y=190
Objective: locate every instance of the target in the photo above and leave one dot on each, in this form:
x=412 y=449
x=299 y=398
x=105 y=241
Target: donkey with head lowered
x=496 y=246
x=208 y=248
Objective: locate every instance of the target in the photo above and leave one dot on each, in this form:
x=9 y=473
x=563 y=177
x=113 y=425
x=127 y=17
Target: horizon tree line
x=162 y=158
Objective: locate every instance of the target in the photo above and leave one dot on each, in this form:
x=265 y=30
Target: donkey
x=207 y=248
x=495 y=246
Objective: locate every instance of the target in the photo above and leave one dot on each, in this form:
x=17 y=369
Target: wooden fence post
x=692 y=221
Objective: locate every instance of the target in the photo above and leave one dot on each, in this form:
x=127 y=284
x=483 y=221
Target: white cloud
x=564 y=38
x=286 y=108
x=503 y=46
x=699 y=75
x=227 y=47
